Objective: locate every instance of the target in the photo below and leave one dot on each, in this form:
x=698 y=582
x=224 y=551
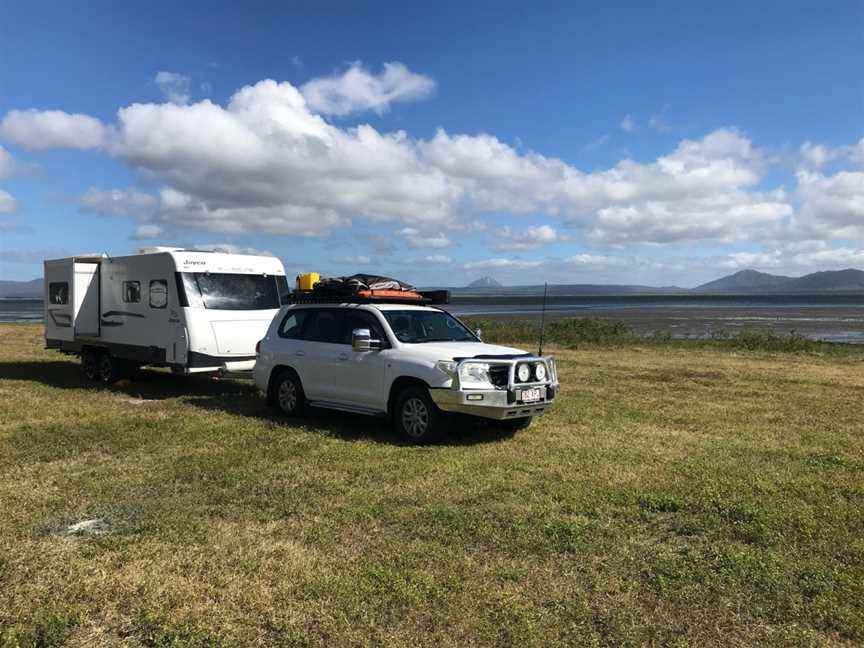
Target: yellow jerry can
x=308 y=280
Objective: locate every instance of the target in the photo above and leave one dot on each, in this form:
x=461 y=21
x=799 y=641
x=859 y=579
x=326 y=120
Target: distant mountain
x=744 y=280
x=21 y=288
x=485 y=282
x=753 y=281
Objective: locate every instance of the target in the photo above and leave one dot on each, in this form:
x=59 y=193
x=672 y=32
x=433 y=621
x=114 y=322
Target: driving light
x=540 y=371
x=475 y=375
x=523 y=372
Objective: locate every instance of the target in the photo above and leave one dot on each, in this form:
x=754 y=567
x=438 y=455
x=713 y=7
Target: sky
x=642 y=143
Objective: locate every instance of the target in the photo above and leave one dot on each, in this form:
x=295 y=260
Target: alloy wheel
x=287 y=395
x=415 y=417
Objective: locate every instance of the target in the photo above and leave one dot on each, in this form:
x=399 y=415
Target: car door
x=288 y=345
x=319 y=353
x=359 y=375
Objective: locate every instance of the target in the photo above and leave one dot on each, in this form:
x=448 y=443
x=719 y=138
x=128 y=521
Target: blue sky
x=636 y=143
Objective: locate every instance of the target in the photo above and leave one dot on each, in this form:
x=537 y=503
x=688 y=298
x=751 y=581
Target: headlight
x=475 y=375
x=540 y=371
x=523 y=372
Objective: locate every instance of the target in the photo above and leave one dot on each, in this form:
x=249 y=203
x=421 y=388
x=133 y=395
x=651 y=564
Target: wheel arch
x=402 y=382
x=275 y=372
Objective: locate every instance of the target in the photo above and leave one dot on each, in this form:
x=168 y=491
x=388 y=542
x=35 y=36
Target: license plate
x=531 y=395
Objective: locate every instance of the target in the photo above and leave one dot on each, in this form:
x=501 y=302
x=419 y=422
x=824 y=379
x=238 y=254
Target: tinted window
x=427 y=326
x=58 y=292
x=158 y=293
x=324 y=325
x=362 y=320
x=292 y=325
x=131 y=292
x=224 y=291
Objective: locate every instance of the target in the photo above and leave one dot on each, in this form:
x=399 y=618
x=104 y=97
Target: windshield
x=222 y=291
x=427 y=326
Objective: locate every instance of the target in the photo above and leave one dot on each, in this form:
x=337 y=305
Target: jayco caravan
x=188 y=310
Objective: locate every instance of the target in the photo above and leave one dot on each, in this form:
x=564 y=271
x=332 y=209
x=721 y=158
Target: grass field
x=704 y=494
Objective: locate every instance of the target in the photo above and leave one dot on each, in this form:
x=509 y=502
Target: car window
x=357 y=319
x=292 y=324
x=324 y=325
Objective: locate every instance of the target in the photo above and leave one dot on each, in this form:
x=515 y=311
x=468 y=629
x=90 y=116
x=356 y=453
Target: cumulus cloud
x=628 y=124
x=173 y=86
x=418 y=239
x=502 y=263
x=432 y=259
x=8 y=204
x=358 y=90
x=532 y=237
x=148 y=231
x=358 y=259
x=7 y=163
x=832 y=206
x=45 y=129
x=267 y=162
x=122 y=202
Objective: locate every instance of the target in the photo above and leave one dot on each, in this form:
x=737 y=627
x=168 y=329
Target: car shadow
x=242 y=398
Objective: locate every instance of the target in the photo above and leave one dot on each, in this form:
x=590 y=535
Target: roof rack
x=421 y=297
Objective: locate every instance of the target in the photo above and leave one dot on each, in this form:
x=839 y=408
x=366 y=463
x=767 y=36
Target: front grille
x=499 y=375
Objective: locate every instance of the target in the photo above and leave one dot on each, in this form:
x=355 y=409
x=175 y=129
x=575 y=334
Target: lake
x=833 y=318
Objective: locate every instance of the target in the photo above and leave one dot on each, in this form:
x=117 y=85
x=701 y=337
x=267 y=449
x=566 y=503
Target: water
x=833 y=318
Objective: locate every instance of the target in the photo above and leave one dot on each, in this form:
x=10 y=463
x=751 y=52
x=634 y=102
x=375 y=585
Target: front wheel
x=417 y=418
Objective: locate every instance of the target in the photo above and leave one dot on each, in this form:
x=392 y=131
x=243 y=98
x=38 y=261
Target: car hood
x=451 y=350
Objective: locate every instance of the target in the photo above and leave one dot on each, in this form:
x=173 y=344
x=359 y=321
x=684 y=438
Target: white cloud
x=8 y=204
x=229 y=248
x=358 y=259
x=432 y=259
x=122 y=202
x=418 y=239
x=358 y=90
x=531 y=238
x=499 y=263
x=173 y=86
x=7 y=163
x=657 y=122
x=628 y=124
x=832 y=206
x=45 y=129
x=148 y=231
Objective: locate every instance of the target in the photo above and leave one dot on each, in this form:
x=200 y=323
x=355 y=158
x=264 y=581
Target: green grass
x=678 y=494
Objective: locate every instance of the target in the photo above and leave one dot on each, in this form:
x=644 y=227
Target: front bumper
x=497 y=404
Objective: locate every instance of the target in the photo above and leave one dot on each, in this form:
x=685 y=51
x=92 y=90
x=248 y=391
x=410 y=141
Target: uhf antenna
x=543 y=319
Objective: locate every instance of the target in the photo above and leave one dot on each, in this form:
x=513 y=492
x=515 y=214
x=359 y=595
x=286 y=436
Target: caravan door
x=86 y=301
x=177 y=351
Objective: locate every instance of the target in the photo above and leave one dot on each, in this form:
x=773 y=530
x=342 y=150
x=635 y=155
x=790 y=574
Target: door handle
x=343 y=356
x=299 y=354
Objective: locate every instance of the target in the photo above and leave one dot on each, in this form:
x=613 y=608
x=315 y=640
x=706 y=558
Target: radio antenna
x=543 y=319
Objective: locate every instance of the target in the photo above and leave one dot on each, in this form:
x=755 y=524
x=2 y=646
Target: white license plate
x=531 y=395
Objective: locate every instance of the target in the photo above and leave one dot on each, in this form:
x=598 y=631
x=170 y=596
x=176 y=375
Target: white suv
x=416 y=364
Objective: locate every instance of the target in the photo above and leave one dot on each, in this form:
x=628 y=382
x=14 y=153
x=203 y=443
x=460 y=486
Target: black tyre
x=109 y=368
x=90 y=365
x=286 y=393
x=417 y=418
x=517 y=424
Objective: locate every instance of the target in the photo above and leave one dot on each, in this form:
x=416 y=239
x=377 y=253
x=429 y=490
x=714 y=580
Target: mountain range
x=744 y=281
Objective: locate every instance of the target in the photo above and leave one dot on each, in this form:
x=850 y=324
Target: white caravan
x=188 y=310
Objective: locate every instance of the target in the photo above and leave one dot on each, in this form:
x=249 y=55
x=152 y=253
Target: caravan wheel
x=109 y=368
x=90 y=365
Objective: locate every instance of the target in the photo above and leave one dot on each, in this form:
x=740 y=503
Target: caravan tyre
x=287 y=393
x=90 y=365
x=109 y=368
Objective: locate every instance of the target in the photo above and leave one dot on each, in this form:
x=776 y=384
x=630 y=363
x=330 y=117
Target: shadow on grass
x=239 y=398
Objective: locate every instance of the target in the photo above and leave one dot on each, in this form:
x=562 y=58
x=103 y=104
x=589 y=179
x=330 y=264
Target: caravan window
x=131 y=292
x=58 y=292
x=223 y=291
x=158 y=293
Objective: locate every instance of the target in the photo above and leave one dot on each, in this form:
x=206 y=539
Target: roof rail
x=423 y=297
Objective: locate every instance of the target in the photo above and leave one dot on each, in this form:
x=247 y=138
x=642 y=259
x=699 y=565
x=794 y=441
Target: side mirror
x=479 y=333
x=361 y=340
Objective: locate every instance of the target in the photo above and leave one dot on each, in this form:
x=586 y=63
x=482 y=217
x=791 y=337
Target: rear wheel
x=417 y=418
x=109 y=368
x=90 y=365
x=286 y=392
